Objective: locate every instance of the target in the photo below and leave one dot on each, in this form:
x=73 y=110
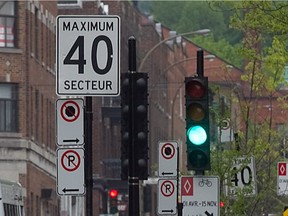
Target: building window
x=7 y=23
x=69 y=3
x=8 y=107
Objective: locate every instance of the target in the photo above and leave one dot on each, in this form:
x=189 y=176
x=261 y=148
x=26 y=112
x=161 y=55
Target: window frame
x=13 y=35
x=9 y=124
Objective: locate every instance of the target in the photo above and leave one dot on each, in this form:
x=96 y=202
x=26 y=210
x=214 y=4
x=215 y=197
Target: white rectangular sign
x=70 y=122
x=88 y=55
x=167 y=159
x=167 y=197
x=200 y=195
x=242 y=177
x=70 y=171
x=282 y=178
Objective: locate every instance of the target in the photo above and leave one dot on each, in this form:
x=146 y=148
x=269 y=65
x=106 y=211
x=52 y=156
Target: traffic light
x=222 y=204
x=197 y=123
x=140 y=126
x=125 y=124
x=134 y=124
x=113 y=201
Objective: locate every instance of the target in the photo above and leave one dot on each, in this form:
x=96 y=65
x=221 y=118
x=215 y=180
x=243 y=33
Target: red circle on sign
x=167 y=188
x=64 y=106
x=66 y=155
x=163 y=151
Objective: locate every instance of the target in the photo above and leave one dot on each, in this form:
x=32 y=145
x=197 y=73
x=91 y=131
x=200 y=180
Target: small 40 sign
x=88 y=55
x=242 y=177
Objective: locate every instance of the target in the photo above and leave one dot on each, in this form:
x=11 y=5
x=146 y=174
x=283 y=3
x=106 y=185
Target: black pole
x=179 y=203
x=88 y=156
x=133 y=179
x=200 y=72
x=200 y=63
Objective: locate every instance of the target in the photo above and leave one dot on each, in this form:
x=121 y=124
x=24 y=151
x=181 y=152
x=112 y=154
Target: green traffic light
x=197 y=135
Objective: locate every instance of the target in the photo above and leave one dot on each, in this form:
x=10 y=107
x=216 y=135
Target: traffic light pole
x=88 y=156
x=200 y=72
x=200 y=63
x=133 y=179
x=179 y=203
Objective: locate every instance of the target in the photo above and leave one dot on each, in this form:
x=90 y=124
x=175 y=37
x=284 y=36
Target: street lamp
x=184 y=60
x=198 y=32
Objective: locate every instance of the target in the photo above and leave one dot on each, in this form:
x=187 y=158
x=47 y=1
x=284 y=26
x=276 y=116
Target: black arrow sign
x=72 y=140
x=208 y=214
x=70 y=190
x=167 y=211
x=167 y=173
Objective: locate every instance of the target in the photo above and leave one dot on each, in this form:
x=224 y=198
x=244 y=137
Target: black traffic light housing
x=134 y=106
x=197 y=123
x=126 y=101
x=113 y=201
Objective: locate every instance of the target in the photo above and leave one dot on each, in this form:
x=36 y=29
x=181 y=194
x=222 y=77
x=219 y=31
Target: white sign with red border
x=282 y=178
x=70 y=171
x=200 y=195
x=167 y=197
x=70 y=122
x=167 y=159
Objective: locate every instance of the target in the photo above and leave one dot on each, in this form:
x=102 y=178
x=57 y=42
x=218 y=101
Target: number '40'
x=81 y=61
x=242 y=174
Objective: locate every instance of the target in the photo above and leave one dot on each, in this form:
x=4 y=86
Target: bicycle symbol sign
x=204 y=182
x=200 y=195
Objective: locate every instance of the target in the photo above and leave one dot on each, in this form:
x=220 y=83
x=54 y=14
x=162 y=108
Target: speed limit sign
x=241 y=177
x=88 y=55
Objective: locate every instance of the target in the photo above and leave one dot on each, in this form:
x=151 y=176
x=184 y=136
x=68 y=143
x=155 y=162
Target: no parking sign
x=70 y=122
x=70 y=171
x=167 y=159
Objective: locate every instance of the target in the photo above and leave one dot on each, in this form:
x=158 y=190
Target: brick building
x=27 y=111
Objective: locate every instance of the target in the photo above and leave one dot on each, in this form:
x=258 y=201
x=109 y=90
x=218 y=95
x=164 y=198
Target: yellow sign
x=285 y=213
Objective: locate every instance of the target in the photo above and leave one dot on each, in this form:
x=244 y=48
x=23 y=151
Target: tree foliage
x=194 y=15
x=264 y=50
